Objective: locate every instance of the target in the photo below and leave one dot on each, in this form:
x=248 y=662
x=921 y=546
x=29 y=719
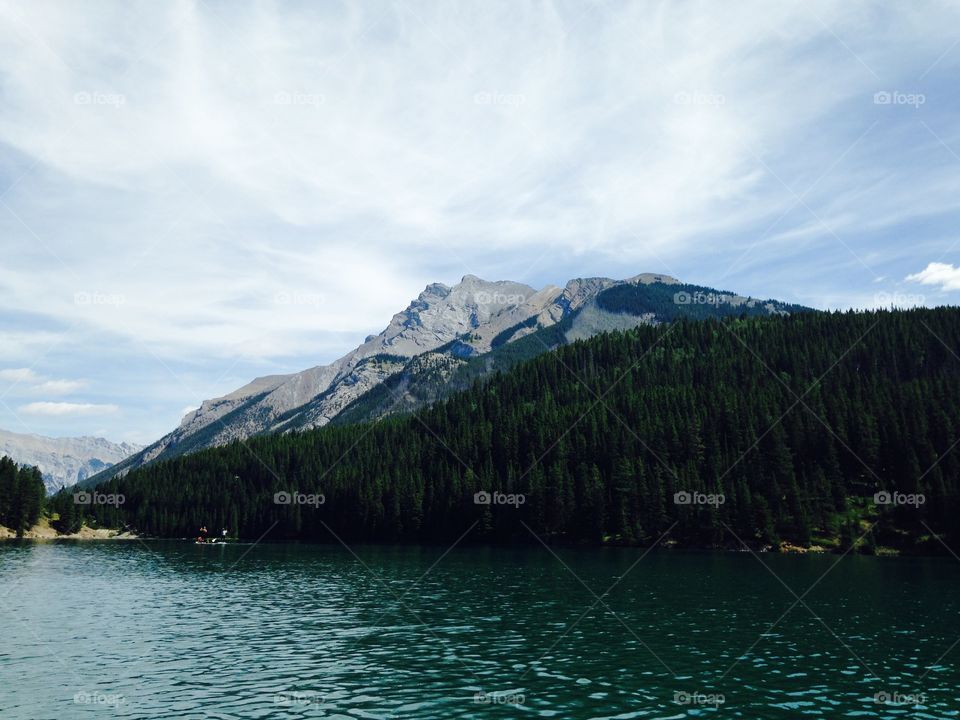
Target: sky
x=194 y=194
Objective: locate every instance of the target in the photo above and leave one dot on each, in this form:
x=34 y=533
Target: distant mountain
x=443 y=340
x=64 y=461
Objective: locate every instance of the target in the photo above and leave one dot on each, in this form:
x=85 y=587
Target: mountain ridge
x=469 y=320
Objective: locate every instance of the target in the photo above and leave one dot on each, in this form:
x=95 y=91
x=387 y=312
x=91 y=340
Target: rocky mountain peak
x=648 y=278
x=64 y=461
x=441 y=314
x=434 y=290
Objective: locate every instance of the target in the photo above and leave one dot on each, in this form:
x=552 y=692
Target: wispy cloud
x=59 y=387
x=18 y=374
x=27 y=379
x=58 y=409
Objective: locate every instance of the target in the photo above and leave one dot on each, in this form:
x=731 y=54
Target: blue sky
x=195 y=194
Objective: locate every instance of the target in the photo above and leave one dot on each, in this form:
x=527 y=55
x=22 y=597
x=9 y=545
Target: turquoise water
x=167 y=629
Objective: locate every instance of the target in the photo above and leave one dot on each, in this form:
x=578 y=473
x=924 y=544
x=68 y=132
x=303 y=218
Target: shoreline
x=43 y=531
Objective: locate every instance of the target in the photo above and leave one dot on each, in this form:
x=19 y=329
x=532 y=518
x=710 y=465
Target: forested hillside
x=797 y=421
x=681 y=300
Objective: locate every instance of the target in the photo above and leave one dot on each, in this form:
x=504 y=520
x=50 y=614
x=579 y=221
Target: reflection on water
x=175 y=630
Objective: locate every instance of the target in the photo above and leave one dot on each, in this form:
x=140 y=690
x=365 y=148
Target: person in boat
x=223 y=533
x=203 y=534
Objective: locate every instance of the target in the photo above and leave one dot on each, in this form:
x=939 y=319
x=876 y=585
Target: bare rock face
x=439 y=315
x=64 y=461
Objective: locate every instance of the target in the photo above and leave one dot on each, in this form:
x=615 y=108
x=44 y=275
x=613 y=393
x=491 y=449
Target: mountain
x=825 y=429
x=607 y=306
x=464 y=329
x=64 y=461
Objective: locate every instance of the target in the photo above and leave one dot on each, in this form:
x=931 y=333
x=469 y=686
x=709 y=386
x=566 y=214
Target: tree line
x=758 y=430
x=22 y=496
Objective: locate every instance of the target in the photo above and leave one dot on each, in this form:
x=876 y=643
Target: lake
x=166 y=629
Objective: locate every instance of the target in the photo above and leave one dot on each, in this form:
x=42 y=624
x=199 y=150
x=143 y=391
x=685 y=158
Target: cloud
x=221 y=159
x=439 y=126
x=936 y=273
x=59 y=387
x=60 y=409
x=18 y=375
x=26 y=379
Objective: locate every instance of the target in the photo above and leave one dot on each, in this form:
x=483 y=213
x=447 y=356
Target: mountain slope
x=699 y=408
x=642 y=300
x=443 y=332
x=64 y=461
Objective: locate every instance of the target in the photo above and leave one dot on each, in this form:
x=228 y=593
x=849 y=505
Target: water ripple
x=176 y=631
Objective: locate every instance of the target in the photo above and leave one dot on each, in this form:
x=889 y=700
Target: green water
x=174 y=630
